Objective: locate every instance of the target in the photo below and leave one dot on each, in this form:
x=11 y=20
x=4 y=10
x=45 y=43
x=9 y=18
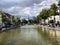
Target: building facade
x=7 y=20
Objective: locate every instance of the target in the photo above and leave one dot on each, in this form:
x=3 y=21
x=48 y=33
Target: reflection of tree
x=55 y=41
x=9 y=36
x=47 y=36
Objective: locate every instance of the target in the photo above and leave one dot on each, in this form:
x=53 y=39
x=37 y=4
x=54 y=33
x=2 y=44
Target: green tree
x=38 y=19
x=50 y=12
x=44 y=14
x=59 y=7
x=59 y=4
x=54 y=9
x=18 y=20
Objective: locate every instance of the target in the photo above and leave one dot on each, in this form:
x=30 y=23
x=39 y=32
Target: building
x=57 y=19
x=6 y=20
x=0 y=21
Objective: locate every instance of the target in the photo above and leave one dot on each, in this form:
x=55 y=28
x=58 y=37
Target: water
x=30 y=35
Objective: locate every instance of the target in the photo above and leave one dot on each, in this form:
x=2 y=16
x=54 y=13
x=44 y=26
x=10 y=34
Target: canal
x=30 y=35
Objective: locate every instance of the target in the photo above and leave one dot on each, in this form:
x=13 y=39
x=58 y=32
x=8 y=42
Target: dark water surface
x=30 y=35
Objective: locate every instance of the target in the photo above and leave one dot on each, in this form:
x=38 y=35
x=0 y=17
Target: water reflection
x=30 y=35
x=50 y=36
x=8 y=36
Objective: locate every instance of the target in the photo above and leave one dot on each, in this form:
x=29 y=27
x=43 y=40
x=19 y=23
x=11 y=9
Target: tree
x=50 y=12
x=44 y=14
x=59 y=7
x=54 y=9
x=18 y=20
x=24 y=21
x=59 y=3
x=38 y=19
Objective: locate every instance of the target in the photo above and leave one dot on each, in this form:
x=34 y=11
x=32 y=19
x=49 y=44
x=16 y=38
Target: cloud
x=23 y=8
x=44 y=4
x=27 y=10
x=23 y=3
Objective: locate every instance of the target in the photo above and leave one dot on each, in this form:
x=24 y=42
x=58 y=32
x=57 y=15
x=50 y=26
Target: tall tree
x=54 y=9
x=59 y=7
x=38 y=19
x=59 y=3
x=44 y=14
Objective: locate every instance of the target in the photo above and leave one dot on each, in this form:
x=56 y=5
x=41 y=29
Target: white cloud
x=27 y=10
x=44 y=4
x=31 y=10
x=13 y=1
x=14 y=8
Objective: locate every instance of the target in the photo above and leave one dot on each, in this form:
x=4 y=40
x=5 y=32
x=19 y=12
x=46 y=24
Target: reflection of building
x=52 y=35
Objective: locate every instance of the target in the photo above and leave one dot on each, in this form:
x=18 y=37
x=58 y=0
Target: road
x=29 y=35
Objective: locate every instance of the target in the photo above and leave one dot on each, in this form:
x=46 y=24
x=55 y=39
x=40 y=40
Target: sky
x=25 y=8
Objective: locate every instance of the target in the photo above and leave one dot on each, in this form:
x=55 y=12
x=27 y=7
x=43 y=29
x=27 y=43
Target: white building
x=52 y=18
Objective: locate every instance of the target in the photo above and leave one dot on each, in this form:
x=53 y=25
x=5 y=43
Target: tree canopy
x=45 y=13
